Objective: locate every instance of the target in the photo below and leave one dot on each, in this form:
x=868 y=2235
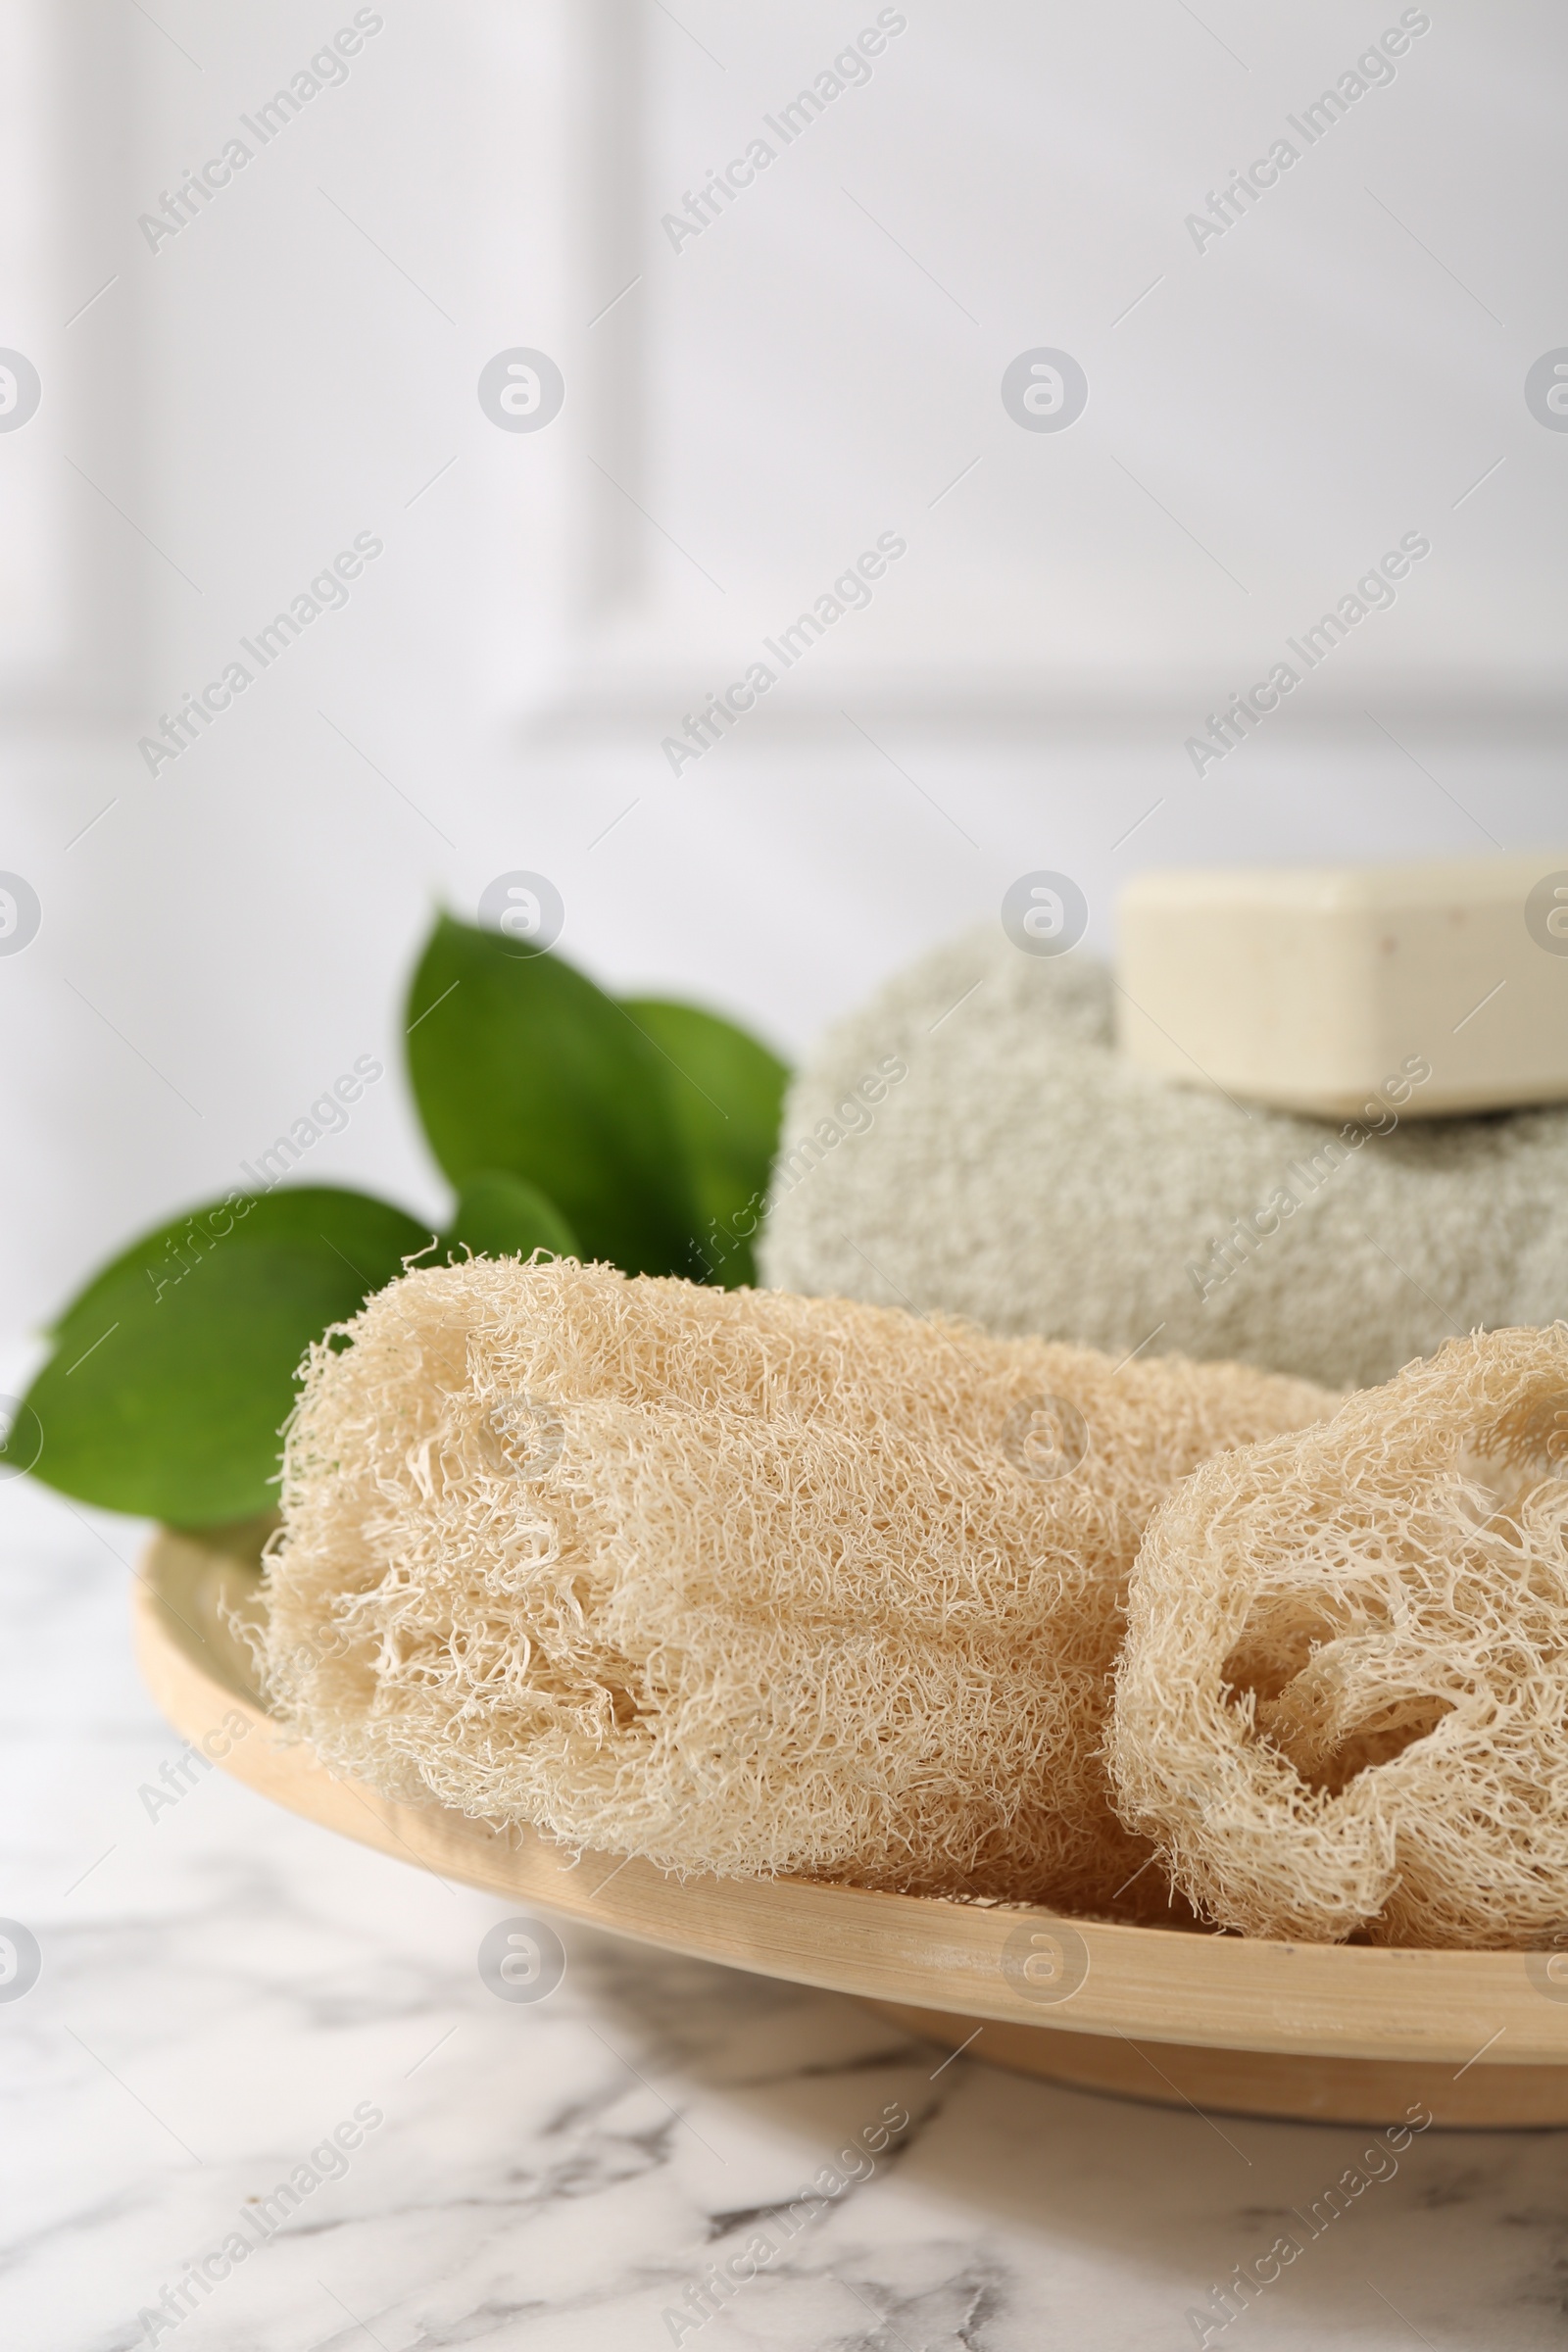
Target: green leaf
x=521 y=1064
x=727 y=1094
x=501 y=1216
x=173 y=1370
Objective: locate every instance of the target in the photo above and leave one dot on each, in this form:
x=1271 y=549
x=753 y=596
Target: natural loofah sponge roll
x=1343 y=1704
x=738 y=1581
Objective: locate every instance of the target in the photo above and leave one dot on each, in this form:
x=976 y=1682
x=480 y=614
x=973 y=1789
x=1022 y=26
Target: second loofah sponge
x=1342 y=1705
x=738 y=1581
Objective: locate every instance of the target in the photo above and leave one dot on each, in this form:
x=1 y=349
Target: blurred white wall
x=745 y=409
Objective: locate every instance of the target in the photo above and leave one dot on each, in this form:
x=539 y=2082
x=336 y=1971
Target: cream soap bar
x=1441 y=988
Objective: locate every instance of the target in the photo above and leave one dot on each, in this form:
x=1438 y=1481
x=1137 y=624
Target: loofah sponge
x=970 y=1143
x=1343 y=1704
x=741 y=1582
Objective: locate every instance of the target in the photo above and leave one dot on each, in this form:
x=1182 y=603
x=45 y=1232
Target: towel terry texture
x=1021 y=1174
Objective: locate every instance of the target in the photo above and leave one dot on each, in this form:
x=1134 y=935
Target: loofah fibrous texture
x=736 y=1581
x=1022 y=1173
x=1343 y=1704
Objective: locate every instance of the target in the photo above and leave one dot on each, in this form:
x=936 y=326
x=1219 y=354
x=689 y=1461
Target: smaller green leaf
x=727 y=1094
x=518 y=1062
x=503 y=1216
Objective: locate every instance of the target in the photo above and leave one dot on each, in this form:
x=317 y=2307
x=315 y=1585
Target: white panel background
x=299 y=364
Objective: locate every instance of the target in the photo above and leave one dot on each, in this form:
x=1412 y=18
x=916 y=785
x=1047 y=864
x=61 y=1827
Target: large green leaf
x=727 y=1093
x=501 y=1216
x=173 y=1371
x=519 y=1063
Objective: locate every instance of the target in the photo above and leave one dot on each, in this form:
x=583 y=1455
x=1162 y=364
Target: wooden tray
x=1322 y=2032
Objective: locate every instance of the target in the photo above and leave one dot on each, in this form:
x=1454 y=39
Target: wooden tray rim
x=1151 y=1985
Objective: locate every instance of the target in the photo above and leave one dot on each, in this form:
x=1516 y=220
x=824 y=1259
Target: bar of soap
x=1442 y=988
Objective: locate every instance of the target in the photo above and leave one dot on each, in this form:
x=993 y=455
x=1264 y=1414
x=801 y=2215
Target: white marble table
x=223 y=1987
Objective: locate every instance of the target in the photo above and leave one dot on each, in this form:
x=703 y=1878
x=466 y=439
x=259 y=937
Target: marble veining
x=224 y=1988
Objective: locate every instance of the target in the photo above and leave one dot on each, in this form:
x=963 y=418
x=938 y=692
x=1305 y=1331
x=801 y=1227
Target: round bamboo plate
x=1333 y=2033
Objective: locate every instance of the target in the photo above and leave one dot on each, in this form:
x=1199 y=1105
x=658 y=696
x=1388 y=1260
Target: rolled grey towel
x=969 y=1142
